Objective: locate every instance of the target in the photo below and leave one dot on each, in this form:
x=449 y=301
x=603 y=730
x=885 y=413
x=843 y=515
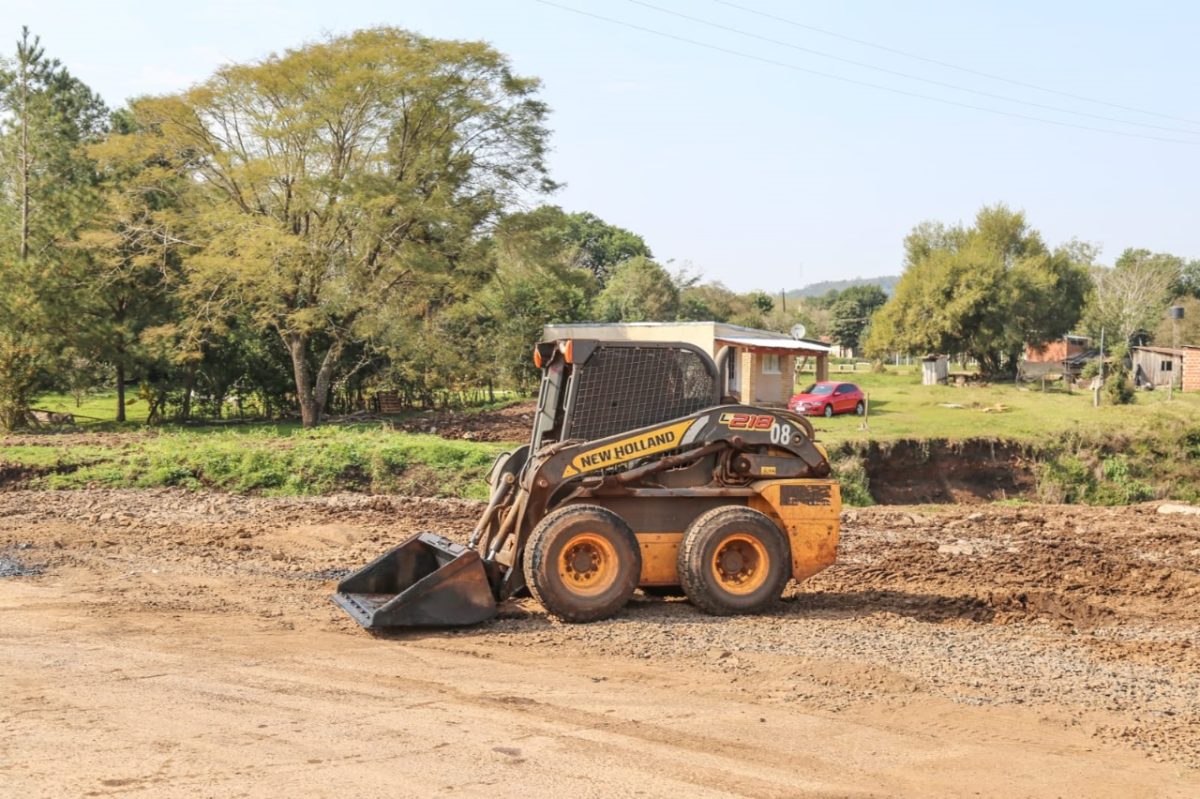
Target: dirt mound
x=507 y=424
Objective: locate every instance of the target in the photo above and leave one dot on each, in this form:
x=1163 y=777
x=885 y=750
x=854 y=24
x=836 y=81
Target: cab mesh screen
x=624 y=388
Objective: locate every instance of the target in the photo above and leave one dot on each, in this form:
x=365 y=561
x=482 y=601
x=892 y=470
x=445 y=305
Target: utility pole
x=1176 y=313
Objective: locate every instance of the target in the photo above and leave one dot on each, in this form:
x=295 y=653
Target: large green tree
x=639 y=290
x=47 y=117
x=852 y=312
x=134 y=245
x=602 y=246
x=983 y=291
x=341 y=172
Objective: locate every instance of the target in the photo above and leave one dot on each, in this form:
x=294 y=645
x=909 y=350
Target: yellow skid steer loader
x=636 y=476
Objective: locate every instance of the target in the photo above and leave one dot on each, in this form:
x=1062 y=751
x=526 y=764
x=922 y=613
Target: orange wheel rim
x=740 y=564
x=587 y=564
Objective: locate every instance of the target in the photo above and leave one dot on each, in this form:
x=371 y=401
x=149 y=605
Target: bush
x=1117 y=385
x=851 y=473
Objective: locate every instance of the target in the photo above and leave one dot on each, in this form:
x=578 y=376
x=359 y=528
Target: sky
x=744 y=149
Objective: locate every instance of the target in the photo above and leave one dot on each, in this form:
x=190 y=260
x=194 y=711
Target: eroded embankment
x=911 y=472
x=1108 y=469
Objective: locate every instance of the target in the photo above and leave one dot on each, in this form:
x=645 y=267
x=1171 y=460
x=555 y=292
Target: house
x=1155 y=366
x=1064 y=357
x=1057 y=351
x=762 y=363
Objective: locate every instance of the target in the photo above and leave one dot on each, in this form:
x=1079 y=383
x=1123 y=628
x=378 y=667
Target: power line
x=948 y=65
x=909 y=76
x=843 y=79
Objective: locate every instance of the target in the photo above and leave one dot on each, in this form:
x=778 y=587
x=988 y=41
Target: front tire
x=582 y=562
x=828 y=411
x=734 y=560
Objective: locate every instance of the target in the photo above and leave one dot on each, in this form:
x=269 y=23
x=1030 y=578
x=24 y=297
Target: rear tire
x=828 y=411
x=734 y=560
x=582 y=562
x=860 y=408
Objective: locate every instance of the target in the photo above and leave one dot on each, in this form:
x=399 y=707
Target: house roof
x=765 y=343
x=1161 y=351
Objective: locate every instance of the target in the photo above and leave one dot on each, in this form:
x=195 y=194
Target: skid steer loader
x=636 y=476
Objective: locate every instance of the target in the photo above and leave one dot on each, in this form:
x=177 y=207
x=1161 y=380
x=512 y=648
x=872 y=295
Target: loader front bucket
x=428 y=581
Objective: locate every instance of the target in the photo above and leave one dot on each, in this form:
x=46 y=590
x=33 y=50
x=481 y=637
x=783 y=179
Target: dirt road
x=159 y=643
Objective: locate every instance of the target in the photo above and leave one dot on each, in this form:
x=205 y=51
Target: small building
x=934 y=369
x=1155 y=366
x=762 y=363
x=1057 y=351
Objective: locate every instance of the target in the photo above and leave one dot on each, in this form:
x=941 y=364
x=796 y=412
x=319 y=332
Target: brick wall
x=1191 y=368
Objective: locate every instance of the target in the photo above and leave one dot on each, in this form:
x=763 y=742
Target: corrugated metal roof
x=775 y=344
x=1161 y=351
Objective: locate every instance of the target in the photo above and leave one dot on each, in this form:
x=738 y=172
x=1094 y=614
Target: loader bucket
x=428 y=581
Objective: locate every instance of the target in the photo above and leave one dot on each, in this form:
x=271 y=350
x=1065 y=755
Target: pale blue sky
x=759 y=175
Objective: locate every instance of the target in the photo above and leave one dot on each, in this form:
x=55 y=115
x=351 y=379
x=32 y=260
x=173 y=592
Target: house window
x=1166 y=366
x=770 y=365
x=732 y=361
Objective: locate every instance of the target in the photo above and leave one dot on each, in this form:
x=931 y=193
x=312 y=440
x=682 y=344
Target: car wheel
x=860 y=408
x=828 y=411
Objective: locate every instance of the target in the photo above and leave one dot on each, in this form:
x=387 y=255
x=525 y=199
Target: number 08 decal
x=781 y=434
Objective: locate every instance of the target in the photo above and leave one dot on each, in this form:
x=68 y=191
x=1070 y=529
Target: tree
x=46 y=193
x=983 y=291
x=341 y=173
x=536 y=278
x=703 y=302
x=852 y=312
x=1189 y=278
x=639 y=290
x=1189 y=325
x=602 y=246
x=22 y=345
x=49 y=114
x=1132 y=295
x=133 y=245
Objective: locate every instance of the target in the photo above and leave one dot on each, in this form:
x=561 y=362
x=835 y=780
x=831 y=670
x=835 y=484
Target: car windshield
x=820 y=389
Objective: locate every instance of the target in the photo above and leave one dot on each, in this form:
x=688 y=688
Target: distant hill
x=887 y=283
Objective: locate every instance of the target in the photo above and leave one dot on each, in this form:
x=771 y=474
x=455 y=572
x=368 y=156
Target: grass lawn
x=100 y=408
x=271 y=459
x=903 y=408
x=1145 y=438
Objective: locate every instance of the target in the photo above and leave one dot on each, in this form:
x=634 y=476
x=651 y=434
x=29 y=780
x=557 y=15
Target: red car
x=827 y=398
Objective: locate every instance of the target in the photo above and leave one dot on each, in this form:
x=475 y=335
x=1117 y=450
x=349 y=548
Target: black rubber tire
x=545 y=545
x=700 y=544
x=828 y=411
x=860 y=408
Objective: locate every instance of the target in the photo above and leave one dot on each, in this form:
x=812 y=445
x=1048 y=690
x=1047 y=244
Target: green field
x=98 y=408
x=900 y=407
x=1106 y=454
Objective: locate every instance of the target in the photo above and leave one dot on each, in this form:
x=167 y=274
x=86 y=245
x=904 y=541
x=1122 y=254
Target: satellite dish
x=798 y=331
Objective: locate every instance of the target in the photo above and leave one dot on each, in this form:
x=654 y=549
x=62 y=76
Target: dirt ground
x=166 y=644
